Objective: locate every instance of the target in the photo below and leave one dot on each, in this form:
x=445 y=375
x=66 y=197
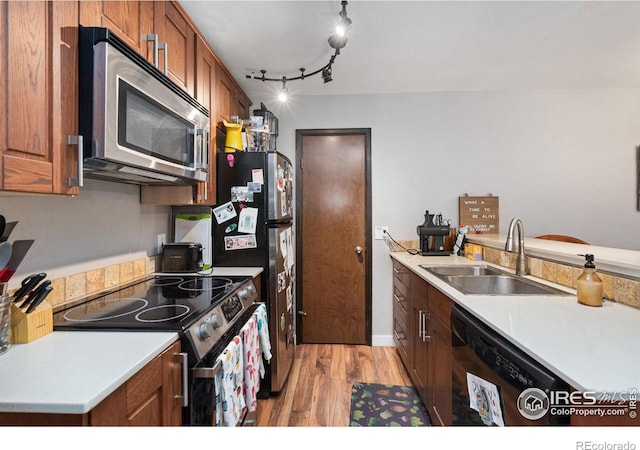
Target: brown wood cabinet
x=39 y=92
x=38 y=96
x=440 y=366
x=426 y=350
x=205 y=94
x=131 y=21
x=178 y=38
x=152 y=397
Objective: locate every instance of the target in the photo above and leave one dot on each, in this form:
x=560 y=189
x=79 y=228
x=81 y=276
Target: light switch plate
x=379 y=231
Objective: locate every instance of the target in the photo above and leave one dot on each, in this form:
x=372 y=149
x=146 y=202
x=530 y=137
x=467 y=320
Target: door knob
x=302 y=313
x=359 y=250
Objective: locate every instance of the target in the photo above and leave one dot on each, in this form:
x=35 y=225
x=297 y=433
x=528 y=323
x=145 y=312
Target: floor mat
x=385 y=405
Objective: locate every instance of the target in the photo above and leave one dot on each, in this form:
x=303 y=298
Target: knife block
x=29 y=327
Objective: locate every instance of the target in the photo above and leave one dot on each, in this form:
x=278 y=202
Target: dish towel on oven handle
x=263 y=331
x=230 y=402
x=252 y=356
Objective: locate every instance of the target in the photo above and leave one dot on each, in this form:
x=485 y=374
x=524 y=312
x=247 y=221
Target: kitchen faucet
x=522 y=266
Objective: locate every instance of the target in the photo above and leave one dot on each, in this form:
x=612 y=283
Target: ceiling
x=426 y=46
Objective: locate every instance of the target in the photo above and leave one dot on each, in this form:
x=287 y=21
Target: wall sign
x=480 y=214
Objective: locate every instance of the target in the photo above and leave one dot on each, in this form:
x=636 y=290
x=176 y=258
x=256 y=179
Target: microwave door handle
x=201 y=149
x=164 y=47
x=205 y=149
x=79 y=141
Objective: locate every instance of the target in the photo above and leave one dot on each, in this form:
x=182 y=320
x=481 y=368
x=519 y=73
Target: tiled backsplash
x=73 y=287
x=616 y=287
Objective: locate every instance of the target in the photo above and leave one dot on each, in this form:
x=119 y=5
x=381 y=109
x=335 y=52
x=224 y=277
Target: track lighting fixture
x=337 y=41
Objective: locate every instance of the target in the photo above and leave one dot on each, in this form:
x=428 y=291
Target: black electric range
x=201 y=308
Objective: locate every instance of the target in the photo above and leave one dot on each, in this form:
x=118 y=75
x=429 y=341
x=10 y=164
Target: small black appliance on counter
x=182 y=257
x=432 y=234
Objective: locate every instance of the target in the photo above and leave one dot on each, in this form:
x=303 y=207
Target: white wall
x=563 y=161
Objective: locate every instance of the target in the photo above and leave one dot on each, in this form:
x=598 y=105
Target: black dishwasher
x=496 y=383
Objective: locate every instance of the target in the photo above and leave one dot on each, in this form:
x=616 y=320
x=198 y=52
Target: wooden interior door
x=334 y=233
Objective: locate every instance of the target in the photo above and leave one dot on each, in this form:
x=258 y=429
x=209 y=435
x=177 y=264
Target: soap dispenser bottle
x=589 y=284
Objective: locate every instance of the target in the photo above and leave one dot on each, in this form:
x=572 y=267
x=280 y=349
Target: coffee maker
x=432 y=234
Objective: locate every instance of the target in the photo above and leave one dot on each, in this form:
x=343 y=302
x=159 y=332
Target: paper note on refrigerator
x=224 y=212
x=248 y=220
x=484 y=397
x=257 y=176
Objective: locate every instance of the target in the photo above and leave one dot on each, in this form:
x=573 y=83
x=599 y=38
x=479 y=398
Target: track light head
x=326 y=74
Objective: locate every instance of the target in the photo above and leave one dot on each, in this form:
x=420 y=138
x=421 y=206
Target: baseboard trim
x=382 y=340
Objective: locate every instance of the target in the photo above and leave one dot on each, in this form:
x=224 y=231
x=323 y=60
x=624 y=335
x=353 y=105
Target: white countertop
x=593 y=349
x=72 y=371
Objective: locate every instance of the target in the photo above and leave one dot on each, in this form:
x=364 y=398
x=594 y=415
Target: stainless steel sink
x=500 y=285
x=445 y=271
x=486 y=280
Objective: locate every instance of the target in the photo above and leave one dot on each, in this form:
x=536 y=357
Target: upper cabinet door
x=131 y=21
x=38 y=96
x=225 y=95
x=205 y=94
x=178 y=37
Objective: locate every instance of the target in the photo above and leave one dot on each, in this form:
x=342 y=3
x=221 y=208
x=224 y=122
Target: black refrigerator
x=252 y=226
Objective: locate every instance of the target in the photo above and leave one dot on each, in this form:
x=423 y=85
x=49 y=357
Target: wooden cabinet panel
x=148 y=398
x=38 y=95
x=173 y=29
x=420 y=336
x=172 y=394
x=131 y=21
x=225 y=95
x=205 y=94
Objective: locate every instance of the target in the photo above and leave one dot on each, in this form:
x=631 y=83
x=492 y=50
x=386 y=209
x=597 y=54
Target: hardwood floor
x=318 y=391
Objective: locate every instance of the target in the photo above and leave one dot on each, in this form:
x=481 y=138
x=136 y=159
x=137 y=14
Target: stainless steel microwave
x=137 y=125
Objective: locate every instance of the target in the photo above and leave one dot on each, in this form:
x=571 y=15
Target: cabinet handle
x=397 y=272
x=164 y=46
x=422 y=325
x=77 y=140
x=400 y=337
x=154 y=38
x=185 y=379
x=397 y=299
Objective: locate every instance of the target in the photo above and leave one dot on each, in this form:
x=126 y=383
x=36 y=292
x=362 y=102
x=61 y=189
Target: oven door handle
x=207 y=372
x=185 y=379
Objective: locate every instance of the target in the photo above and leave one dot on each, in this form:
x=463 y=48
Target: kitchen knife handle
x=35 y=293
x=28 y=284
x=39 y=298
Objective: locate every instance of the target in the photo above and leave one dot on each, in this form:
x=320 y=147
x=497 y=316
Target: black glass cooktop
x=160 y=303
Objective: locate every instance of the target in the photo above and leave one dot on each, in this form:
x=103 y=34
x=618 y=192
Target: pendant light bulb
x=284 y=94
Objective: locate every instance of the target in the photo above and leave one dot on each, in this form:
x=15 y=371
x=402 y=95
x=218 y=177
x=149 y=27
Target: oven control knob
x=203 y=332
x=243 y=294
x=214 y=321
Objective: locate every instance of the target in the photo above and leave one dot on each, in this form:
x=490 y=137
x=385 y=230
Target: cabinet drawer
x=401 y=312
x=400 y=274
x=401 y=339
x=440 y=305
